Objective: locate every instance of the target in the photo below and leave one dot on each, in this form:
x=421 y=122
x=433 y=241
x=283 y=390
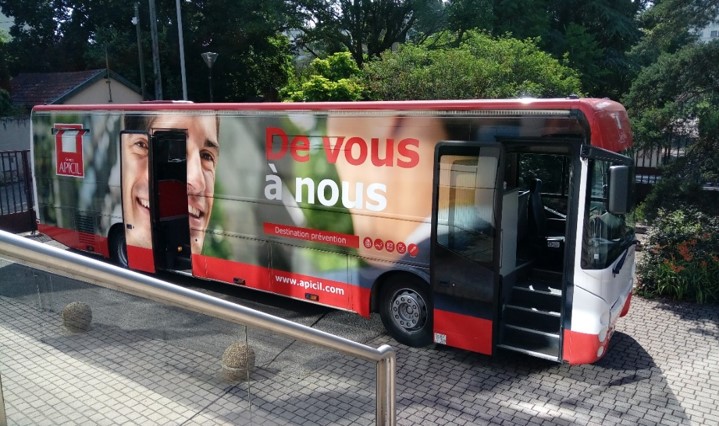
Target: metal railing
x=72 y=265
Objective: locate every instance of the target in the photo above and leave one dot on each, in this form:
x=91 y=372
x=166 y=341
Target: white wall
x=14 y=133
x=98 y=93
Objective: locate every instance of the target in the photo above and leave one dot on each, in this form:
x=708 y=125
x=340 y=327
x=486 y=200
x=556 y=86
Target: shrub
x=681 y=259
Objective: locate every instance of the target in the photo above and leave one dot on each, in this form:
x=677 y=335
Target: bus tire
x=406 y=311
x=117 y=246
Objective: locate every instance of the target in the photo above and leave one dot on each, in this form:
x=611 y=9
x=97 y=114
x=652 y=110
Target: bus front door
x=465 y=243
x=168 y=200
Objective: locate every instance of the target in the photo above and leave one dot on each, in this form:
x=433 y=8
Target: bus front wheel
x=118 y=248
x=406 y=311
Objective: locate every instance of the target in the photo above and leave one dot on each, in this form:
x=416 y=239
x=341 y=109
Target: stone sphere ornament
x=77 y=317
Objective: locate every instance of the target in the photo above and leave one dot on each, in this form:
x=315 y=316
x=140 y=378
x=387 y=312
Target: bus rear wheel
x=406 y=311
x=118 y=248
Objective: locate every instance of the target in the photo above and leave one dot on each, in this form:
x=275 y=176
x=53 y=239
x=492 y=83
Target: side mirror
x=620 y=190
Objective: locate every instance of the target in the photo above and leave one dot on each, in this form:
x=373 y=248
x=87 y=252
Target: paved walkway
x=663 y=368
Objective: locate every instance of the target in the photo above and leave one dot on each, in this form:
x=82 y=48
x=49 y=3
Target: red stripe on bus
x=627 y=304
x=464 y=331
x=141 y=259
x=77 y=240
x=324 y=291
x=582 y=348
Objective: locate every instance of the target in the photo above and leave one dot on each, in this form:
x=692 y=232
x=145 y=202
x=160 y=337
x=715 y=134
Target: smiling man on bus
x=202 y=153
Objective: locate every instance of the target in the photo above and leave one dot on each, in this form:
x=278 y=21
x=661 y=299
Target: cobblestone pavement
x=662 y=368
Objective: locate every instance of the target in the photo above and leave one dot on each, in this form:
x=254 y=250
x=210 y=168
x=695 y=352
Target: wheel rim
x=408 y=310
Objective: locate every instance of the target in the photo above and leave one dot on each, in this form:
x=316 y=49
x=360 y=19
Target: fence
x=648 y=162
x=16 y=194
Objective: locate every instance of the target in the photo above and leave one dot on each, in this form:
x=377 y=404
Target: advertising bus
x=477 y=224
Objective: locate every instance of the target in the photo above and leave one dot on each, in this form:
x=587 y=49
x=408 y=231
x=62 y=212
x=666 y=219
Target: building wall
x=14 y=133
x=98 y=93
x=710 y=33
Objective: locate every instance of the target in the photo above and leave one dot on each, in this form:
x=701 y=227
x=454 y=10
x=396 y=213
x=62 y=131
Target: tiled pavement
x=663 y=368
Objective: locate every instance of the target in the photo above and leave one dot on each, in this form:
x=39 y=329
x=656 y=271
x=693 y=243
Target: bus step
x=548 y=322
x=534 y=342
x=546 y=275
x=537 y=295
x=531 y=353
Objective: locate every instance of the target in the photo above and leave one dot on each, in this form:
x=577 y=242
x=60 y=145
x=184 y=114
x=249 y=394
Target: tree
x=254 y=59
x=677 y=90
x=669 y=26
x=595 y=36
x=676 y=95
x=70 y=35
x=335 y=78
x=480 y=67
x=521 y=18
x=362 y=27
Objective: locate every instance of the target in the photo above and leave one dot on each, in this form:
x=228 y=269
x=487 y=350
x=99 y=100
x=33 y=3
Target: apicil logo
x=68 y=150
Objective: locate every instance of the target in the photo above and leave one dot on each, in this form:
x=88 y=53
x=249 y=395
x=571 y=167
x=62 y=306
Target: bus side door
x=168 y=200
x=466 y=243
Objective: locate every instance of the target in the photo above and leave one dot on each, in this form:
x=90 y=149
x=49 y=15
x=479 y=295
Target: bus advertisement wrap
x=432 y=214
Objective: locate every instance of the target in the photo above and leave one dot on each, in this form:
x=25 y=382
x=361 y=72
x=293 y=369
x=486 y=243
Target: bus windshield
x=606 y=234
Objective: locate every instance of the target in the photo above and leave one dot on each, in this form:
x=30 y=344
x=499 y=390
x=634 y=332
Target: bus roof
x=606 y=119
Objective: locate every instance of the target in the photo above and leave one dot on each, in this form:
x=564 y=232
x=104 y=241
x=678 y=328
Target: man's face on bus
x=202 y=155
x=135 y=189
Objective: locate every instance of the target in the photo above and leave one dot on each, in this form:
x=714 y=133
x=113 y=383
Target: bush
x=681 y=259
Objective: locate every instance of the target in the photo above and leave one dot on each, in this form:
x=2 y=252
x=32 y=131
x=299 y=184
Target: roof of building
x=30 y=89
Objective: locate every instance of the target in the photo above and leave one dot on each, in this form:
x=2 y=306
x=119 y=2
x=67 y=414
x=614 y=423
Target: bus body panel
x=323 y=202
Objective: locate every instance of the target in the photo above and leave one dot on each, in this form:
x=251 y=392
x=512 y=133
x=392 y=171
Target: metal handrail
x=73 y=265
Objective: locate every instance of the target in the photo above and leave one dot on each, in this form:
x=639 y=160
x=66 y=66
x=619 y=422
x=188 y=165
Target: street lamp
x=210 y=58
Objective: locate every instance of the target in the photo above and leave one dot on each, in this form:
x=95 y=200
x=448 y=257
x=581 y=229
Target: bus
x=484 y=225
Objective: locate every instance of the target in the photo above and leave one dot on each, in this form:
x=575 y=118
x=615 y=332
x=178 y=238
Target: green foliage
x=669 y=25
x=6 y=108
x=674 y=90
x=674 y=99
x=681 y=260
x=335 y=78
x=69 y=35
x=480 y=67
x=335 y=67
x=364 y=28
x=593 y=36
x=260 y=72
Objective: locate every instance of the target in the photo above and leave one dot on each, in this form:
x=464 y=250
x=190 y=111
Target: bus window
x=466 y=210
x=606 y=235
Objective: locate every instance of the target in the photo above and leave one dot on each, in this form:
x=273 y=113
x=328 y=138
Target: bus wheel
x=406 y=312
x=118 y=249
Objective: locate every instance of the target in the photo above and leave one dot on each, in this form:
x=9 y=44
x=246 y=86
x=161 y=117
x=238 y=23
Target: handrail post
x=386 y=393
x=3 y=416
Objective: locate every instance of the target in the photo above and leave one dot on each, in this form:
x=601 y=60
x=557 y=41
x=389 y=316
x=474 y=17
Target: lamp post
x=136 y=22
x=155 y=51
x=182 y=50
x=210 y=58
